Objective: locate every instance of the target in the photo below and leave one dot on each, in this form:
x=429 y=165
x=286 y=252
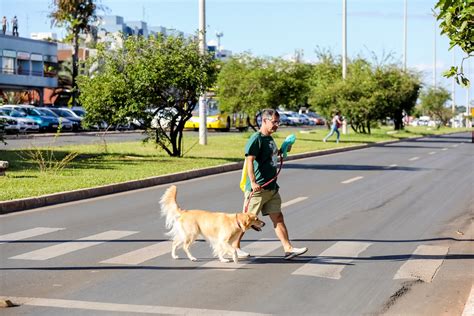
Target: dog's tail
x=169 y=207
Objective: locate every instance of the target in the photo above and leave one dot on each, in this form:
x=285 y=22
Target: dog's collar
x=238 y=223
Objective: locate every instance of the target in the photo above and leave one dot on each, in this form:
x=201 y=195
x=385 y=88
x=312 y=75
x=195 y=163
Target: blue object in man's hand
x=290 y=140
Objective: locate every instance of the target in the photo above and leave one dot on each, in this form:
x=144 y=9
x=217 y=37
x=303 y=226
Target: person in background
x=261 y=154
x=15 y=26
x=4 y=25
x=336 y=123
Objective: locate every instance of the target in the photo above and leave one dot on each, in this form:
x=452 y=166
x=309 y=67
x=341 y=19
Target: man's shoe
x=241 y=253
x=295 y=252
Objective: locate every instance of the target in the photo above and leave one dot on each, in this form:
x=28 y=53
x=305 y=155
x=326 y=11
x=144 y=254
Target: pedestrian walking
x=335 y=124
x=261 y=155
x=15 y=26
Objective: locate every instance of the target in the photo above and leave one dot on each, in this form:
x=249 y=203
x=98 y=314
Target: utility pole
x=344 y=39
x=202 y=50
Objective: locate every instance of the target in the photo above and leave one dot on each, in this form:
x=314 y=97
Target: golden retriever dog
x=219 y=228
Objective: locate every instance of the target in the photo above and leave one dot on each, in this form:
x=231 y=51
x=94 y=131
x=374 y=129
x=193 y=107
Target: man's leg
x=280 y=230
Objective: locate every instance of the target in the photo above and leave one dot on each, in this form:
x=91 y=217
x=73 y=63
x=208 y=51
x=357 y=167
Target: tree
x=457 y=22
x=433 y=103
x=249 y=84
x=368 y=94
x=154 y=82
x=76 y=16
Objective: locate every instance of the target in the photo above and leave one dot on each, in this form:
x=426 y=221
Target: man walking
x=261 y=154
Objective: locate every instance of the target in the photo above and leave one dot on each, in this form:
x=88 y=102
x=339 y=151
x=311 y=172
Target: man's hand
x=255 y=186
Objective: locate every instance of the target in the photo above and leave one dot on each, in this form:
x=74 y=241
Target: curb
x=70 y=196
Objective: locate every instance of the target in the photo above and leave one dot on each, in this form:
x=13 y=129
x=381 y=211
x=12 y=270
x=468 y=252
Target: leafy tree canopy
x=154 y=82
x=433 y=103
x=457 y=22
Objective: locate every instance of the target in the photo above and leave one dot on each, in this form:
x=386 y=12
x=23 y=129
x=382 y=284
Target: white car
x=24 y=124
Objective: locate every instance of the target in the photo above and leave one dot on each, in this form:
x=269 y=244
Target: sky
x=375 y=28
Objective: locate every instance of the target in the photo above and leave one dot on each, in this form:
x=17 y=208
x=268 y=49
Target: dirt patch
x=406 y=287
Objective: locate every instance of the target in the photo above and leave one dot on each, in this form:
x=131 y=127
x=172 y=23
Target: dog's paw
x=193 y=259
x=175 y=257
x=224 y=260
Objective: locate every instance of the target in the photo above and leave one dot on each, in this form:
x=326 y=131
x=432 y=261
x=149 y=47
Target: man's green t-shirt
x=265 y=164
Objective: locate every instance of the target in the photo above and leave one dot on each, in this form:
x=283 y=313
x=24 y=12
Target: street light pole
x=344 y=39
x=405 y=38
x=434 y=52
x=202 y=50
x=453 y=92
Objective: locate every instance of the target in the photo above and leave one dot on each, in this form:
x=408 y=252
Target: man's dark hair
x=269 y=113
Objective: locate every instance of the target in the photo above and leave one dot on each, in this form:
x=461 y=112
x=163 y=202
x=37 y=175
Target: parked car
x=45 y=122
x=316 y=118
x=66 y=125
x=284 y=120
x=71 y=116
x=25 y=124
x=293 y=117
x=9 y=124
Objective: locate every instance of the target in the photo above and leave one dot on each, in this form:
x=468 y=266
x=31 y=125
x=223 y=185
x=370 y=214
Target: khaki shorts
x=265 y=201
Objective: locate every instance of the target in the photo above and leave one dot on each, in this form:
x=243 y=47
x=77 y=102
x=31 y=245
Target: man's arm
x=251 y=173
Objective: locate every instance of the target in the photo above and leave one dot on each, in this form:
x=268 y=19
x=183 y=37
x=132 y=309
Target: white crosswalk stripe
x=256 y=249
x=331 y=262
x=68 y=247
x=24 y=234
x=423 y=264
x=141 y=255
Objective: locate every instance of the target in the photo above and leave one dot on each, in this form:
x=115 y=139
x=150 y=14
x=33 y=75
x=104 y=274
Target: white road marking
x=325 y=266
x=469 y=307
x=444 y=148
x=414 y=158
x=67 y=247
x=352 y=179
x=24 y=234
x=432 y=152
x=115 y=308
x=455 y=145
x=141 y=255
x=298 y=199
x=420 y=268
x=258 y=248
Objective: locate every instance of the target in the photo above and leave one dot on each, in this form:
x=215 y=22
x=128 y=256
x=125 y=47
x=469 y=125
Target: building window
x=8 y=65
x=23 y=67
x=50 y=69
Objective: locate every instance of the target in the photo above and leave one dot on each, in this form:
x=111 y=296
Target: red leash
x=265 y=184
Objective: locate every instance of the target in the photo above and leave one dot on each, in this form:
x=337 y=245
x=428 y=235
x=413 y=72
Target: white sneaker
x=241 y=253
x=324 y=140
x=295 y=252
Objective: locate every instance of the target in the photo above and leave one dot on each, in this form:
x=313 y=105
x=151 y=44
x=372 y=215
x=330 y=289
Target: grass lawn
x=134 y=160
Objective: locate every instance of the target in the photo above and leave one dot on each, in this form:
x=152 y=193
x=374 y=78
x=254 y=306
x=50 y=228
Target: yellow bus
x=217 y=119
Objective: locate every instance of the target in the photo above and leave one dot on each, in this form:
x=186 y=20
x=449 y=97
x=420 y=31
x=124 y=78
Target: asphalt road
x=389 y=231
